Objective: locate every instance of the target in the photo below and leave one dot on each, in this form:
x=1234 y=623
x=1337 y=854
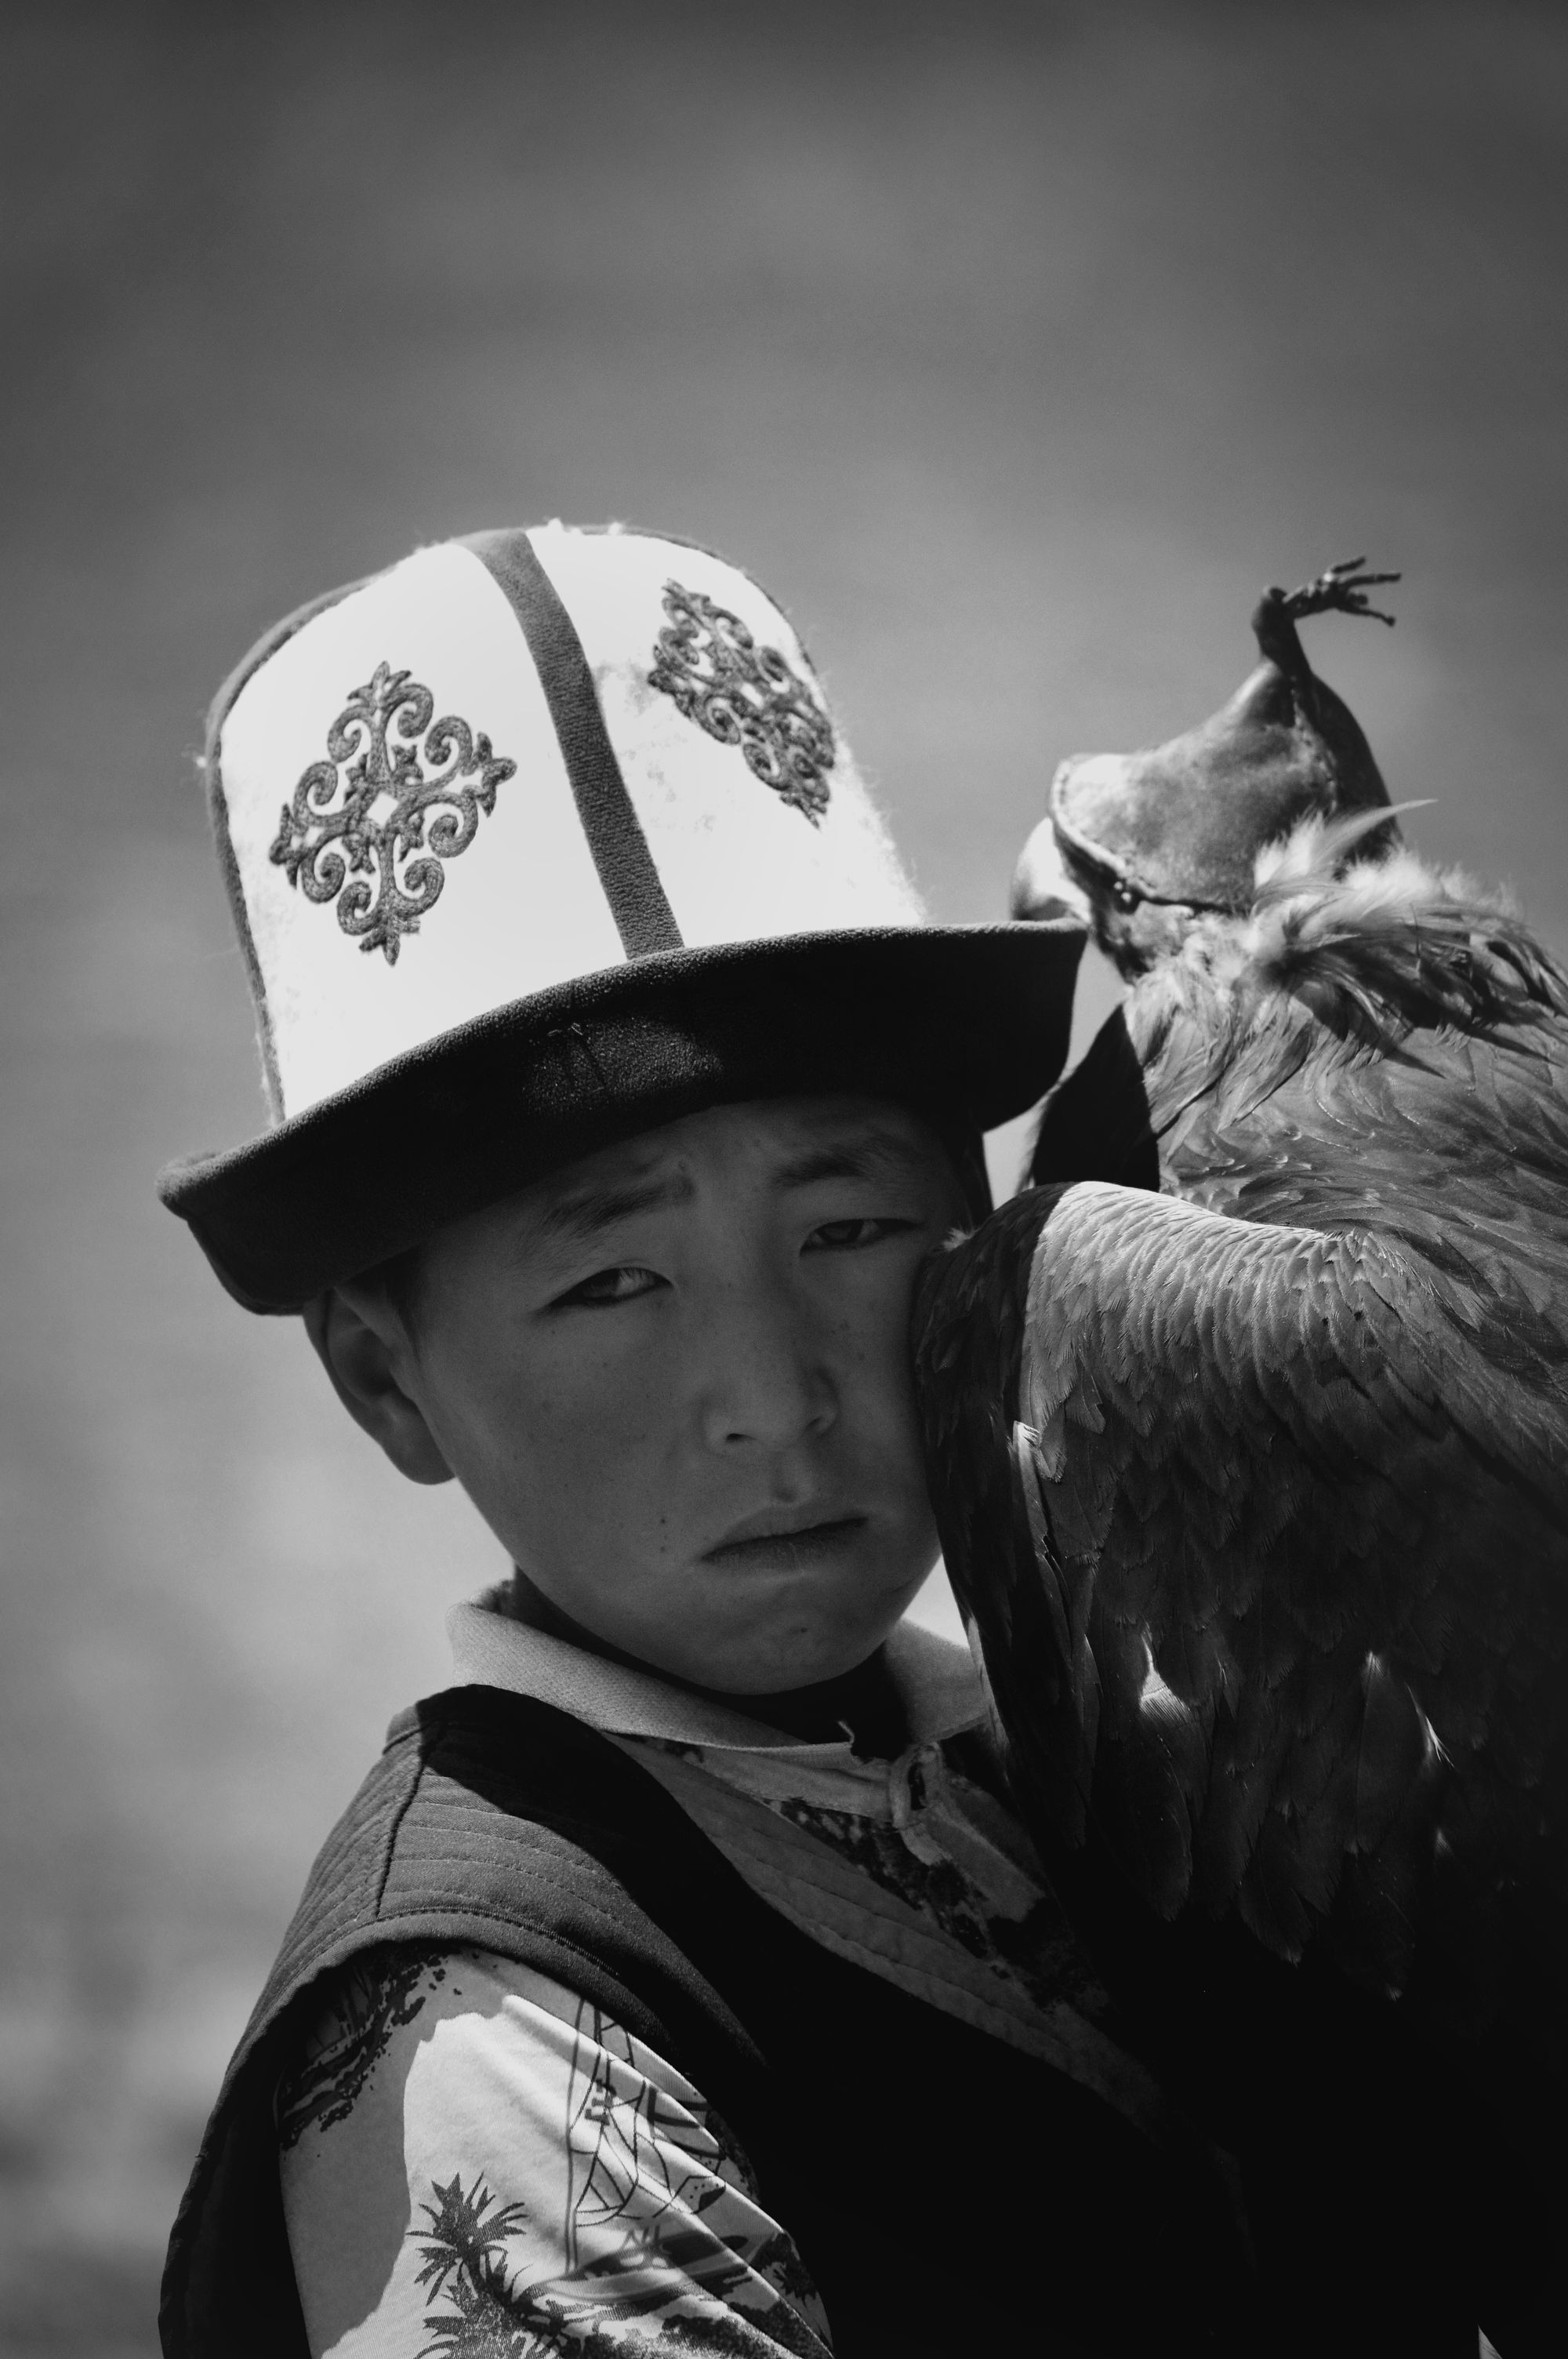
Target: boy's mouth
x=778 y=1538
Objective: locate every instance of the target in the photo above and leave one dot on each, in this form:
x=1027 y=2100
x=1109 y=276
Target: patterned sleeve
x=477 y=2164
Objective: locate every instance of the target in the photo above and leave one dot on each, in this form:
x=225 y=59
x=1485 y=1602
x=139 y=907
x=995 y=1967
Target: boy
x=680 y=1979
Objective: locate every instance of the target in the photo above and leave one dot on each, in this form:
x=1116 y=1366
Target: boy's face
x=674 y=1379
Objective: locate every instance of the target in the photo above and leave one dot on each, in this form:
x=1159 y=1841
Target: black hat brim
x=968 y=1023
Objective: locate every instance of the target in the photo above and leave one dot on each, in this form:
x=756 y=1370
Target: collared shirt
x=470 y=2150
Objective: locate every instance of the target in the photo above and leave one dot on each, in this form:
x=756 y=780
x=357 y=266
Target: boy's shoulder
x=502 y=1820
x=493 y=1820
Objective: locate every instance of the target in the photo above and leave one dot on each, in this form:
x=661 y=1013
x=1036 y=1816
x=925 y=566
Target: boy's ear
x=364 y=1348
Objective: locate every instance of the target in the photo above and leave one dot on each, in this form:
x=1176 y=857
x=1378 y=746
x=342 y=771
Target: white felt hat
x=541 y=837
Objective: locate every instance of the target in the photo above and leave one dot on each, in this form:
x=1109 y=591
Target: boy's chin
x=805 y=1648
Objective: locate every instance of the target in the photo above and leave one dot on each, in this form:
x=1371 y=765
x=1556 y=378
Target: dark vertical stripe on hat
x=626 y=872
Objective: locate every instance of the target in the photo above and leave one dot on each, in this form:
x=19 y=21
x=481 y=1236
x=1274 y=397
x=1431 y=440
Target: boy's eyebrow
x=872 y=1155
x=587 y=1212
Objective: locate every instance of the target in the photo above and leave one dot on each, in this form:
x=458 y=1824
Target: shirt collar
x=936 y=1680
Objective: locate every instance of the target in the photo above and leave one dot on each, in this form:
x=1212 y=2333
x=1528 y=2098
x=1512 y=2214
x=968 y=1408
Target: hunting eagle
x=1247 y=1423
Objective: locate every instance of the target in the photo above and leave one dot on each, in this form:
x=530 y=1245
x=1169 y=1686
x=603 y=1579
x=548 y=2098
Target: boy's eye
x=845 y=1236
x=622 y=1285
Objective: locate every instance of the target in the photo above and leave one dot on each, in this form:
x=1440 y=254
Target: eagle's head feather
x=1366 y=948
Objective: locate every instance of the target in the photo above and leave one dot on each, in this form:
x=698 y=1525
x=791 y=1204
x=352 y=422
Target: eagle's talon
x=1340 y=590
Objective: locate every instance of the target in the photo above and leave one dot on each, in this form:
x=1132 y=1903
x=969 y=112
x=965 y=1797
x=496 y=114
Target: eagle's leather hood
x=1183 y=821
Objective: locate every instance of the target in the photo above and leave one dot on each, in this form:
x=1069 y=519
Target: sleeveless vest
x=945 y=2193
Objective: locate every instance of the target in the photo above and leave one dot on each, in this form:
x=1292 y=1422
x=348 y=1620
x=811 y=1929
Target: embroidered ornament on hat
x=520 y=760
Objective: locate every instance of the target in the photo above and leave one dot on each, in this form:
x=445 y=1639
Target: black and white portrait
x=785 y=1119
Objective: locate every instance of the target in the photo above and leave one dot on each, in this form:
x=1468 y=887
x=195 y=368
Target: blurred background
x=1014 y=348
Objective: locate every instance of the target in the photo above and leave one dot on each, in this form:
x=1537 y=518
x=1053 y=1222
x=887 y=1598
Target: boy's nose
x=765 y=1381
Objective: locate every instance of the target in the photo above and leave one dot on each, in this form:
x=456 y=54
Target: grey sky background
x=1014 y=348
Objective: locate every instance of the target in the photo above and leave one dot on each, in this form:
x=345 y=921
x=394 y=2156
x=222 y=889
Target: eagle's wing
x=1280 y=1597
